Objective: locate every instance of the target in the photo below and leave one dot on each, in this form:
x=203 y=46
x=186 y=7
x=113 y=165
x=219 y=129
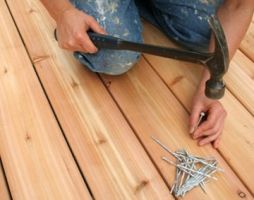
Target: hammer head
x=218 y=63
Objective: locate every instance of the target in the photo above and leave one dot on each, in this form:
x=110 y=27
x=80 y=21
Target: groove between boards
x=5 y=179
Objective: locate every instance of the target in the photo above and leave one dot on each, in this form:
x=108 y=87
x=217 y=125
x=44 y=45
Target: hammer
x=217 y=62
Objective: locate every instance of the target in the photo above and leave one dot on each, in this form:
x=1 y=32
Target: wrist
x=63 y=11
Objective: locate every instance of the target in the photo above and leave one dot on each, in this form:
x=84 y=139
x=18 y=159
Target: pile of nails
x=191 y=171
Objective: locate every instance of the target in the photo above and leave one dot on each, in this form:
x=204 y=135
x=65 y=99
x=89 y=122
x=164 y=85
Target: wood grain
x=4 y=194
x=238 y=139
x=37 y=160
x=240 y=80
x=154 y=111
x=248 y=42
x=112 y=159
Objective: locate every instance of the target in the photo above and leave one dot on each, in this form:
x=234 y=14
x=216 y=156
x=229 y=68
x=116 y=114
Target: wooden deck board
x=238 y=139
x=240 y=80
x=113 y=161
x=102 y=121
x=4 y=194
x=248 y=42
x=153 y=111
x=37 y=161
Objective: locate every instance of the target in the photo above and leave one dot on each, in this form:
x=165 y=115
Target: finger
x=210 y=138
x=213 y=116
x=71 y=46
x=211 y=131
x=83 y=42
x=216 y=143
x=80 y=48
x=95 y=26
x=88 y=46
x=214 y=128
x=194 y=117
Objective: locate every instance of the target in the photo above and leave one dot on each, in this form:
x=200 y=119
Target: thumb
x=194 y=117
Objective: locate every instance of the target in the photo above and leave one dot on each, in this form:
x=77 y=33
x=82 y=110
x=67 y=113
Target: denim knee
x=120 y=19
x=185 y=21
x=109 y=62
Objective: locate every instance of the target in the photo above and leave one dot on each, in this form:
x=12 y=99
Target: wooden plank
x=4 y=194
x=238 y=139
x=112 y=159
x=248 y=42
x=153 y=110
x=240 y=80
x=37 y=160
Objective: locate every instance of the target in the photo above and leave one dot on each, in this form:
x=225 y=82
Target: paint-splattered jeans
x=181 y=20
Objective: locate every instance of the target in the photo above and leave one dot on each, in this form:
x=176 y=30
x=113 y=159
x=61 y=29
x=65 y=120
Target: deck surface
x=68 y=133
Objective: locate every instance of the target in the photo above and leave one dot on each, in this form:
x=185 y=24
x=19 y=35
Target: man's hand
x=72 y=27
x=211 y=129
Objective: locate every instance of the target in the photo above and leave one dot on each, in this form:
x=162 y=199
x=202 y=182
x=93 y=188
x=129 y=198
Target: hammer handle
x=110 y=42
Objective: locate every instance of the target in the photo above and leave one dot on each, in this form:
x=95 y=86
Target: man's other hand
x=211 y=129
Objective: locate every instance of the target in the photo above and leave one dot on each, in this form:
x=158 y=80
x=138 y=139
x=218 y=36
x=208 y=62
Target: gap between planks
x=4 y=187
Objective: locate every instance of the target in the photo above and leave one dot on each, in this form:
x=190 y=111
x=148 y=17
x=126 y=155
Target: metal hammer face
x=218 y=63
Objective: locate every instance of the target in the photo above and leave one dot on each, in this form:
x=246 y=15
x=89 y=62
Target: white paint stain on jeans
x=106 y=8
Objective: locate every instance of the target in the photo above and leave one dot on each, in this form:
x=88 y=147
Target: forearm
x=235 y=17
x=56 y=7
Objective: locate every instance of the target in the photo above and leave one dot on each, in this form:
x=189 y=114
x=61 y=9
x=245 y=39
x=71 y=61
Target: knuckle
x=78 y=36
x=209 y=124
x=70 y=43
x=214 y=131
x=89 y=19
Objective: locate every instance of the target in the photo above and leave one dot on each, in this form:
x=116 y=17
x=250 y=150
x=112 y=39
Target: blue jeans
x=183 y=21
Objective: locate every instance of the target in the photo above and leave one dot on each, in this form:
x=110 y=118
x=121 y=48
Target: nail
x=185 y=168
x=164 y=147
x=202 y=114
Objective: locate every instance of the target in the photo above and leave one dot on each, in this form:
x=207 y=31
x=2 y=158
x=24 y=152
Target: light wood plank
x=238 y=139
x=240 y=80
x=37 y=160
x=153 y=110
x=248 y=42
x=4 y=194
x=113 y=161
